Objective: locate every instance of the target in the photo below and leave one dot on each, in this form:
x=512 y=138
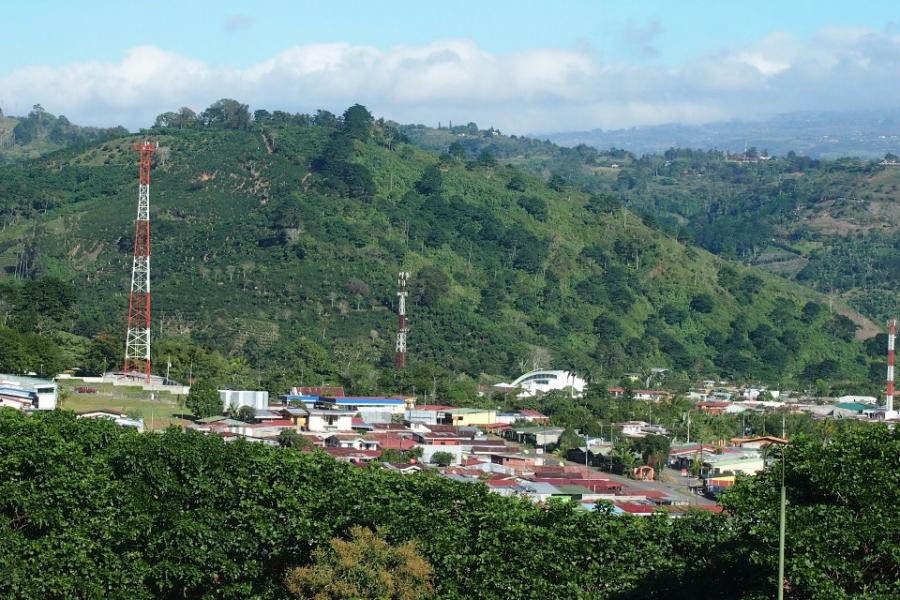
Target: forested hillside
x=277 y=239
x=833 y=225
x=41 y=132
x=88 y=509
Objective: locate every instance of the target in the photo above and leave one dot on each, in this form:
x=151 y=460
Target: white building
x=121 y=419
x=330 y=420
x=28 y=393
x=238 y=398
x=859 y=399
x=542 y=381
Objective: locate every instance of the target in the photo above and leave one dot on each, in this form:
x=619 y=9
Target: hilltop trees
x=227 y=114
x=357 y=122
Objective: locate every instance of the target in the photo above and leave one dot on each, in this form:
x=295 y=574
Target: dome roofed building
x=542 y=381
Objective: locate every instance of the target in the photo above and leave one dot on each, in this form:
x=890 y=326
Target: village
x=512 y=452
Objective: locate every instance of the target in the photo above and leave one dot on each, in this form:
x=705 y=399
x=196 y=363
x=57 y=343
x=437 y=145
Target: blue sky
x=661 y=42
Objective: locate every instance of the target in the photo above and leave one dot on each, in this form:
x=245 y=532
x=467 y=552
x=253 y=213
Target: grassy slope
x=158 y=413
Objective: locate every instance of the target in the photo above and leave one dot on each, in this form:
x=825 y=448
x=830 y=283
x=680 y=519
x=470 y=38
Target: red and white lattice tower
x=889 y=395
x=402 y=329
x=137 y=340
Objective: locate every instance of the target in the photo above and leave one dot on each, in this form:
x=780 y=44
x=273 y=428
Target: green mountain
x=41 y=132
x=833 y=225
x=277 y=242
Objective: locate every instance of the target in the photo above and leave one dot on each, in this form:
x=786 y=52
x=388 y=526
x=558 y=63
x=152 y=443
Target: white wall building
x=330 y=420
x=239 y=398
x=43 y=392
x=542 y=381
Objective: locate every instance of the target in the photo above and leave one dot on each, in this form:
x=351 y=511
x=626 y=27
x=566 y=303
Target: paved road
x=671 y=483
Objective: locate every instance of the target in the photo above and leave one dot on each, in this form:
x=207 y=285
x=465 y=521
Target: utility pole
x=689 y=427
x=781 y=523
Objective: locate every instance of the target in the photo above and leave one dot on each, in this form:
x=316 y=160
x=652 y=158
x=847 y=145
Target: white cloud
x=535 y=90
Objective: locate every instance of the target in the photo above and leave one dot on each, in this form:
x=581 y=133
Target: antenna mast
x=889 y=395
x=402 y=329
x=137 y=340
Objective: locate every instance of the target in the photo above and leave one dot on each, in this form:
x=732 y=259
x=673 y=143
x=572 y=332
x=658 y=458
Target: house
x=330 y=420
x=403 y=468
x=353 y=456
x=236 y=399
x=858 y=399
x=542 y=381
x=713 y=408
x=526 y=414
x=682 y=457
x=43 y=392
x=17 y=398
x=120 y=418
x=351 y=440
x=850 y=409
x=438 y=438
x=595 y=455
x=426 y=413
x=639 y=429
x=635 y=508
x=649 y=395
x=730 y=464
x=535 y=435
x=374 y=409
x=467 y=416
x=759 y=442
x=299 y=416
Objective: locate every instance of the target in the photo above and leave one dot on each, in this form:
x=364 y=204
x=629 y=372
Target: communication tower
x=402 y=329
x=889 y=394
x=137 y=339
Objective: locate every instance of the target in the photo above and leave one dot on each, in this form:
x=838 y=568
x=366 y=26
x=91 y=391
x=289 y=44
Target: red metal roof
x=532 y=413
x=321 y=391
x=635 y=508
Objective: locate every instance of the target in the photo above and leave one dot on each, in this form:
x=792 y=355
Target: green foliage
x=203 y=400
x=87 y=507
x=226 y=114
x=357 y=122
x=442 y=459
x=569 y=439
x=534 y=206
x=41 y=132
x=841 y=538
x=247 y=414
x=396 y=456
x=289 y=438
x=365 y=566
x=654 y=450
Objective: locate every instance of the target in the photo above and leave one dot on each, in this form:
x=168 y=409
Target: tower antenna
x=889 y=394
x=402 y=329
x=137 y=339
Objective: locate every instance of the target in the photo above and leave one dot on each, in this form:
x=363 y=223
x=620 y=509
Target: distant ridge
x=869 y=134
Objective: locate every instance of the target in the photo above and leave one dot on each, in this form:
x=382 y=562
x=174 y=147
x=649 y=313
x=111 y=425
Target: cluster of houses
x=749 y=400
x=716 y=466
x=503 y=450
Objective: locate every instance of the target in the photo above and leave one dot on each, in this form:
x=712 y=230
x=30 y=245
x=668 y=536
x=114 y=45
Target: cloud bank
x=543 y=89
